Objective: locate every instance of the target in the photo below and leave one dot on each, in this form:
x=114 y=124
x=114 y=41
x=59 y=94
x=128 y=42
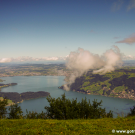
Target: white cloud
x=83 y=60
x=27 y=58
x=128 y=57
x=4 y=60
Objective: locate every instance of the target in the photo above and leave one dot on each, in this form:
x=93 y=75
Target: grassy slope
x=97 y=85
x=56 y=127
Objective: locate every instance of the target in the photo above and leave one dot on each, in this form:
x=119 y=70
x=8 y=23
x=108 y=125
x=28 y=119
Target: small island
x=18 y=98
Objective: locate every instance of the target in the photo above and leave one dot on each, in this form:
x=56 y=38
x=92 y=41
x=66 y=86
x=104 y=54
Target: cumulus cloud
x=82 y=60
x=129 y=40
x=131 y=5
x=112 y=57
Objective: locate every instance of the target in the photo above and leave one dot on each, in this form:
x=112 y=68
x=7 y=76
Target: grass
x=103 y=126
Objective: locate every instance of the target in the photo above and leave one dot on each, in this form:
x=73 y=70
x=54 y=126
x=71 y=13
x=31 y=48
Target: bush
x=35 y=115
x=15 y=112
x=65 y=109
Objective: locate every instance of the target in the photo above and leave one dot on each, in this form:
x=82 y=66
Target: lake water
x=50 y=84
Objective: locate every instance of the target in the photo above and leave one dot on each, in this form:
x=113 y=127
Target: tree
x=3 y=109
x=15 y=112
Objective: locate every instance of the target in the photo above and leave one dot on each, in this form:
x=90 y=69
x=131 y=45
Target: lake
x=50 y=84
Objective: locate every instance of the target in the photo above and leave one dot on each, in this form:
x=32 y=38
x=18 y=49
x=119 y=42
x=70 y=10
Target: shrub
x=65 y=109
x=35 y=115
x=15 y=112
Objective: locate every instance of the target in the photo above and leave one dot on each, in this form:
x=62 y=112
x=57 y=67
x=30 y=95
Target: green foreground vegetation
x=66 y=127
x=64 y=117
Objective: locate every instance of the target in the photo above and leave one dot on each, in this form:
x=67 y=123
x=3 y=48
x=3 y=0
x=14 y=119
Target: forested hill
x=119 y=83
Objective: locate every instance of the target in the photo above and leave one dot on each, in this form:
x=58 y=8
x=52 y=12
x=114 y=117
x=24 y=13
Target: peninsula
x=119 y=83
x=7 y=85
x=14 y=97
x=18 y=98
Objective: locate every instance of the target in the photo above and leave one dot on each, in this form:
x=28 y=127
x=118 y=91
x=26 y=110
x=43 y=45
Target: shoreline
x=107 y=96
x=79 y=91
x=13 y=103
x=7 y=85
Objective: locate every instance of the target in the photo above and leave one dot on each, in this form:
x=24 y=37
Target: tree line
x=61 y=109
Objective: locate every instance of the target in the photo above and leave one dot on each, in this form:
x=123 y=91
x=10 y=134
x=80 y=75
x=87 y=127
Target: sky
x=39 y=30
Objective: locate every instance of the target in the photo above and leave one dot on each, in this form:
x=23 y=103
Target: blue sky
x=42 y=29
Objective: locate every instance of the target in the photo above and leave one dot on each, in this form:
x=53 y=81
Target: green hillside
x=119 y=83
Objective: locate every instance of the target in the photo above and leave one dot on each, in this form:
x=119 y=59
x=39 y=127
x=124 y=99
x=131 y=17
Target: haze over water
x=50 y=84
